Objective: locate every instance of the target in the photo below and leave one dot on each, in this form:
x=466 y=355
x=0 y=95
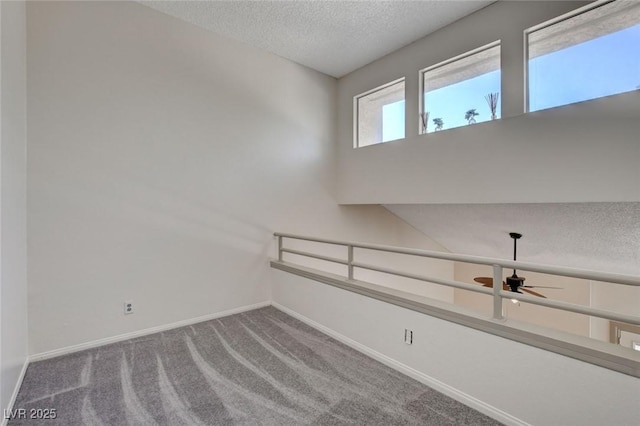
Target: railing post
x=497 y=286
x=279 y=248
x=350 y=260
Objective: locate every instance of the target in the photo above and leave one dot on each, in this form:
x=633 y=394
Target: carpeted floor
x=261 y=367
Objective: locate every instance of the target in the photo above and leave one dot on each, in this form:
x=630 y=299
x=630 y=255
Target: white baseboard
x=16 y=389
x=101 y=342
x=433 y=383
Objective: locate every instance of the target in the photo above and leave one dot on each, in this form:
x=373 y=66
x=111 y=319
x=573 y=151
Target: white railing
x=498 y=265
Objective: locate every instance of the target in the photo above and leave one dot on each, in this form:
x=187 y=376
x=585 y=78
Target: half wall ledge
x=578 y=347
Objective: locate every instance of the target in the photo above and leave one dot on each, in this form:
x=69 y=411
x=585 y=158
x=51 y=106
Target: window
x=380 y=115
x=461 y=91
x=587 y=55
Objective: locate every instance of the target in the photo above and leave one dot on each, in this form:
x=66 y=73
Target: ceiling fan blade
x=532 y=292
x=542 y=286
x=487 y=281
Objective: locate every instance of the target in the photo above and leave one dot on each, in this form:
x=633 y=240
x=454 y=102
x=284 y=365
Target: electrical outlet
x=408 y=336
x=128 y=307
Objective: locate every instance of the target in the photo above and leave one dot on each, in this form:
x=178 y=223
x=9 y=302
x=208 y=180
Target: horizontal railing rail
x=316 y=256
x=456 y=284
x=497 y=264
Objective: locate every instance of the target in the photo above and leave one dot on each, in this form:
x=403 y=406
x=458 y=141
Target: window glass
x=393 y=121
x=380 y=115
x=586 y=56
x=464 y=90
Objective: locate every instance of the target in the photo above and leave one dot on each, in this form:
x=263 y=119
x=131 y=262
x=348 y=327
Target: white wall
x=13 y=204
x=161 y=159
x=584 y=152
x=515 y=382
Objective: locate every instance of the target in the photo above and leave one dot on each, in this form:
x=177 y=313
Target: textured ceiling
x=333 y=37
x=599 y=236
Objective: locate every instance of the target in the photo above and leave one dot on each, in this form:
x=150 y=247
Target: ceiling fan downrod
x=515 y=237
x=514 y=282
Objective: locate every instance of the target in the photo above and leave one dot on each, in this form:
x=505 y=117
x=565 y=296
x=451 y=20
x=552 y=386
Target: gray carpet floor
x=261 y=367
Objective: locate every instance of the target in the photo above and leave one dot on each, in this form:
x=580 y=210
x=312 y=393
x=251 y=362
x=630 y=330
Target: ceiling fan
x=514 y=282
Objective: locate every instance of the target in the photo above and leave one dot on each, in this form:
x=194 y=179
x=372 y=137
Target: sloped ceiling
x=597 y=236
x=333 y=37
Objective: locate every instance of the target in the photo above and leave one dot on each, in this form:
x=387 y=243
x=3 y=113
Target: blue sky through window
x=450 y=103
x=393 y=121
x=599 y=67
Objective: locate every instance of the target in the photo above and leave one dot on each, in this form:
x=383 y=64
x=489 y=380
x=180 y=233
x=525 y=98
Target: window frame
x=548 y=23
x=356 y=111
x=422 y=71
